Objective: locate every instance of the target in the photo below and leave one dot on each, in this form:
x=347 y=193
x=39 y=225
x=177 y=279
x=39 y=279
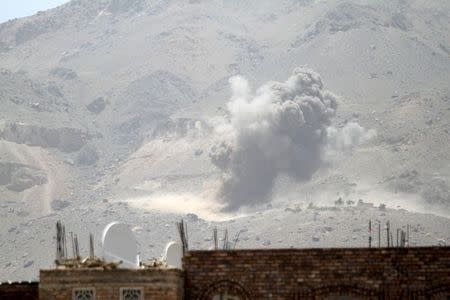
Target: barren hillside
x=109 y=110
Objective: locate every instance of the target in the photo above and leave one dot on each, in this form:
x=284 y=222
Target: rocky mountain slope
x=116 y=101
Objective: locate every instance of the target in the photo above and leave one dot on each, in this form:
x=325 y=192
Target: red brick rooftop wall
x=377 y=273
x=19 y=290
x=157 y=284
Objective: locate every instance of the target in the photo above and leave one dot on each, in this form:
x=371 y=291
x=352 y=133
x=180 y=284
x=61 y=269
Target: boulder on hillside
x=19 y=177
x=59 y=204
x=64 y=73
x=97 y=105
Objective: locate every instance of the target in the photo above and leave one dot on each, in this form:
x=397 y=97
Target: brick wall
x=157 y=284
x=19 y=290
x=395 y=273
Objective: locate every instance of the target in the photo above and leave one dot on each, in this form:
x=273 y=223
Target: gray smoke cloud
x=341 y=141
x=282 y=128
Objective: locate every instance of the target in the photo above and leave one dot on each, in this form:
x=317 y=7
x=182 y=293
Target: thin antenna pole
x=216 y=242
x=186 y=233
x=74 y=252
x=236 y=239
x=370 y=233
x=225 y=240
x=91 y=246
x=64 y=241
x=396 y=237
x=58 y=241
x=75 y=246
x=61 y=241
x=182 y=230
x=387 y=233
x=77 y=249
x=407 y=235
x=379 y=234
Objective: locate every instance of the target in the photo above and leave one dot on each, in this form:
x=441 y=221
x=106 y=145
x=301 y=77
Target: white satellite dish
x=173 y=255
x=119 y=244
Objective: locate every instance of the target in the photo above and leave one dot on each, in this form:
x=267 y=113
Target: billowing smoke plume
x=343 y=140
x=279 y=129
x=283 y=128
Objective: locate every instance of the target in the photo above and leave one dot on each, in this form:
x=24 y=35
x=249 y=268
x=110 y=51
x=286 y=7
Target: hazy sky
x=10 y=9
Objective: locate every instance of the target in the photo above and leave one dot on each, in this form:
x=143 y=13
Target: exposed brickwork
x=19 y=290
x=396 y=273
x=157 y=284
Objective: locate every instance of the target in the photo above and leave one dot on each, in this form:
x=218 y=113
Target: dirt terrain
x=109 y=111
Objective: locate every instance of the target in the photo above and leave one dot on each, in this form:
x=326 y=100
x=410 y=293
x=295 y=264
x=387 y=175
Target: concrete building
x=332 y=274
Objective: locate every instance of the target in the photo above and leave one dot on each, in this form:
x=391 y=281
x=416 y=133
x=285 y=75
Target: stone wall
x=19 y=290
x=377 y=273
x=156 y=284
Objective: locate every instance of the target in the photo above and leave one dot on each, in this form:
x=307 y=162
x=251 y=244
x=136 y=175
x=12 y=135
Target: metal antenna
x=186 y=236
x=370 y=233
x=225 y=240
x=57 y=242
x=402 y=242
x=407 y=235
x=74 y=251
x=59 y=245
x=91 y=245
x=215 y=238
x=387 y=233
x=77 y=249
x=379 y=234
x=64 y=241
x=182 y=230
x=236 y=238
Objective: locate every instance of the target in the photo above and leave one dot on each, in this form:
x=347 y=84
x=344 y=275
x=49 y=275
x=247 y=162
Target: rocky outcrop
x=64 y=73
x=58 y=204
x=158 y=92
x=150 y=100
x=19 y=177
x=19 y=89
x=65 y=139
x=87 y=156
x=97 y=105
x=399 y=21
